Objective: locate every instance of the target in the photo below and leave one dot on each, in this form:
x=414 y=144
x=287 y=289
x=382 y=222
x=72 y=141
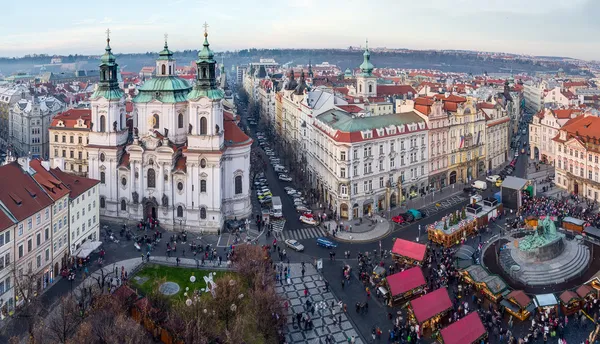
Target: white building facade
x=188 y=164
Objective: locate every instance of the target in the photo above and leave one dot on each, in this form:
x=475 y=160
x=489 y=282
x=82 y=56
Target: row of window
x=368 y=184
x=151 y=182
x=71 y=139
x=71 y=154
x=38 y=240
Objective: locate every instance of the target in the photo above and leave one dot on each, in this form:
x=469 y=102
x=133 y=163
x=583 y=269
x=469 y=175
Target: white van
x=479 y=184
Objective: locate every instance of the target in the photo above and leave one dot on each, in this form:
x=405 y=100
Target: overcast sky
x=537 y=27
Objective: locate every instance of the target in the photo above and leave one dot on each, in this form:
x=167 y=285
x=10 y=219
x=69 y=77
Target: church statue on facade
x=187 y=151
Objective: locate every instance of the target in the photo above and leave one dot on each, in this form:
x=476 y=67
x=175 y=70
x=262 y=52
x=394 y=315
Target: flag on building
x=478 y=136
x=462 y=142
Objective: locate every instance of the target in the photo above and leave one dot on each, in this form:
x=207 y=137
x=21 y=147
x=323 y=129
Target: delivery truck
x=277 y=206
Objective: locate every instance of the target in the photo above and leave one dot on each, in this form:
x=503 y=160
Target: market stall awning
x=592 y=231
x=567 y=296
x=544 y=300
x=574 y=221
x=87 y=248
x=406 y=280
x=584 y=290
x=430 y=305
x=465 y=252
x=467 y=330
x=409 y=249
x=520 y=298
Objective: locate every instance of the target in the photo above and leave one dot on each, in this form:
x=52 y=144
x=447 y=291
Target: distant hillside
x=447 y=61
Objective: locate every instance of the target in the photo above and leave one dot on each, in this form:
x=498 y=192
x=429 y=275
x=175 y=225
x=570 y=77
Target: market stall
x=492 y=286
x=570 y=302
x=546 y=303
x=427 y=311
x=409 y=252
x=518 y=304
x=450 y=230
x=468 y=330
x=87 y=248
x=465 y=256
x=404 y=286
x=573 y=224
x=585 y=292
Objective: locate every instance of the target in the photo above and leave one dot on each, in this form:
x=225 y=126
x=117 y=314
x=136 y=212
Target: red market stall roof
x=465 y=331
x=430 y=305
x=406 y=280
x=409 y=249
x=584 y=290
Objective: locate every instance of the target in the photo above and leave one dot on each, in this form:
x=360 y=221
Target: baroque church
x=187 y=163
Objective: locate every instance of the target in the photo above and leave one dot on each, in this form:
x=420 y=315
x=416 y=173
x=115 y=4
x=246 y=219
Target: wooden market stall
x=468 y=330
x=443 y=233
x=404 y=286
x=573 y=224
x=409 y=252
x=585 y=292
x=518 y=304
x=570 y=302
x=492 y=286
x=427 y=311
x=531 y=221
x=546 y=303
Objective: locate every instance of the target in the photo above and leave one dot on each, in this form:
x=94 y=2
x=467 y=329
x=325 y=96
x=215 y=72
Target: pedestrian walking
x=177 y=260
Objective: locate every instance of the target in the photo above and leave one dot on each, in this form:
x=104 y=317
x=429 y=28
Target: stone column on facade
x=189 y=195
x=141 y=192
x=161 y=182
x=131 y=180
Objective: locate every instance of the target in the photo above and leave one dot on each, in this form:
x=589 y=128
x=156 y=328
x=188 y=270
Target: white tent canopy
x=87 y=248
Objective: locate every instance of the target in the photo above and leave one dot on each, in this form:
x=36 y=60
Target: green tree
x=463 y=214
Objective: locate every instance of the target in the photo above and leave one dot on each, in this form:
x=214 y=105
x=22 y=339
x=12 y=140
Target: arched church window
x=156 y=121
x=203 y=163
x=203 y=213
x=170 y=71
x=102 y=124
x=203 y=185
x=238 y=185
x=204 y=75
x=103 y=75
x=180 y=121
x=370 y=88
x=123 y=205
x=121 y=121
x=102 y=202
x=164 y=69
x=102 y=157
x=151 y=178
x=179 y=211
x=102 y=178
x=359 y=88
x=203 y=125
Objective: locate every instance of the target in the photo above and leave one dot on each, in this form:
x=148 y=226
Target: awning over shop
x=406 y=280
x=592 y=231
x=567 y=296
x=467 y=330
x=409 y=249
x=87 y=248
x=430 y=305
x=494 y=283
x=465 y=252
x=520 y=298
x=545 y=300
x=574 y=221
x=368 y=201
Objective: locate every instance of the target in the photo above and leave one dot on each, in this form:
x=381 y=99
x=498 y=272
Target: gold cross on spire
x=108 y=34
x=367 y=43
x=205 y=26
x=166 y=37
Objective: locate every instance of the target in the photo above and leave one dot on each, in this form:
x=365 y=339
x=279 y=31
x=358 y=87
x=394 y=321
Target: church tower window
x=164 y=69
x=151 y=178
x=203 y=213
x=370 y=88
x=102 y=202
x=179 y=211
x=123 y=205
x=102 y=178
x=203 y=185
x=360 y=88
x=102 y=124
x=238 y=185
x=156 y=121
x=180 y=121
x=203 y=126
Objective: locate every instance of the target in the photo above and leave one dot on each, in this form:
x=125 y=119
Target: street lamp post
x=418 y=237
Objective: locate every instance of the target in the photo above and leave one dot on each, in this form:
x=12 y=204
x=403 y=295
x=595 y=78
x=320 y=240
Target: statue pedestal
x=546 y=252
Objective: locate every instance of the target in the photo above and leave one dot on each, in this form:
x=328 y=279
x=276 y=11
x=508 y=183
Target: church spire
x=310 y=71
x=108 y=86
x=367 y=67
x=206 y=75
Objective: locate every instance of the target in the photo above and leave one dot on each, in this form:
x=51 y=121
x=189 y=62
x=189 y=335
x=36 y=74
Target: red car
x=398 y=219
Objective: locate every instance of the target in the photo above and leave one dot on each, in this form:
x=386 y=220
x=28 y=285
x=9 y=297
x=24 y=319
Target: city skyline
x=540 y=27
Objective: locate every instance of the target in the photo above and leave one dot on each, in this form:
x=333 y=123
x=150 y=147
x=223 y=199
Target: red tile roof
x=343 y=90
x=467 y=330
x=569 y=94
x=234 y=136
x=492 y=124
x=70 y=117
x=486 y=106
x=409 y=249
x=77 y=185
x=520 y=298
x=451 y=98
x=5 y=221
x=53 y=186
x=394 y=90
x=575 y=84
x=21 y=195
x=431 y=304
x=406 y=280
x=584 y=290
x=581 y=127
x=351 y=108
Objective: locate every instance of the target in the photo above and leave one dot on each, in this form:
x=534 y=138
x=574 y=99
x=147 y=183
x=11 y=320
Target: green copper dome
x=108 y=59
x=348 y=72
x=367 y=67
x=165 y=54
x=166 y=89
x=206 y=54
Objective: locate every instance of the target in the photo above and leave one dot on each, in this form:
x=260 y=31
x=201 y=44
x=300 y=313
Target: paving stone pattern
x=323 y=317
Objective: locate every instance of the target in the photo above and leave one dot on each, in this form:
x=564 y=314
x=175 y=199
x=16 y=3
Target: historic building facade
x=69 y=135
x=187 y=164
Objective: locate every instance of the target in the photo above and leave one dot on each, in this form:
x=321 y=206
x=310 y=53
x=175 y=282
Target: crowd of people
x=572 y=205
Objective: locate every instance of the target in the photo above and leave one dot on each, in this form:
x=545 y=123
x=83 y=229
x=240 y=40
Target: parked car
x=398 y=219
x=291 y=192
x=294 y=245
x=285 y=177
x=302 y=208
x=468 y=190
x=324 y=242
x=493 y=178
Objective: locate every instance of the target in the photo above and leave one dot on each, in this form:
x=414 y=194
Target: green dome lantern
x=206 y=55
x=367 y=67
x=165 y=54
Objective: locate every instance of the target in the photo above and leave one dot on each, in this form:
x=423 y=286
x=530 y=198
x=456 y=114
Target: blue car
x=326 y=243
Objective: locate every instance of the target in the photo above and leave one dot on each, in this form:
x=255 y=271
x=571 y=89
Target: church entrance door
x=150 y=210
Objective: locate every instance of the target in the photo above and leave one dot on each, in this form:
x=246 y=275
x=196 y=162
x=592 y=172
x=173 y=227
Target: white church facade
x=187 y=164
